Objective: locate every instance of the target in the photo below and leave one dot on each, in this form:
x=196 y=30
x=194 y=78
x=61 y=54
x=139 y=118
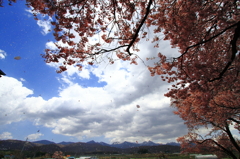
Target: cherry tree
x=205 y=77
x=58 y=155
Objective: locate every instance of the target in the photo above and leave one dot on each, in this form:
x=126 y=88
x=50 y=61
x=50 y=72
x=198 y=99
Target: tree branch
x=234 y=51
x=220 y=146
x=205 y=41
x=139 y=27
x=223 y=106
x=104 y=50
x=233 y=141
x=236 y=121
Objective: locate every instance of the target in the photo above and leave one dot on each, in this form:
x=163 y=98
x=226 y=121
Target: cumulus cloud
x=12 y=96
x=33 y=137
x=3 y=54
x=6 y=135
x=95 y=112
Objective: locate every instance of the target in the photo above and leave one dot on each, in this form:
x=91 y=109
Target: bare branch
x=205 y=41
x=230 y=153
x=139 y=27
x=234 y=51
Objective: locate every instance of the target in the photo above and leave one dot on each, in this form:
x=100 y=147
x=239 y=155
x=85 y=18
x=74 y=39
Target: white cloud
x=31 y=11
x=5 y=135
x=45 y=25
x=50 y=45
x=85 y=73
x=237 y=137
x=33 y=137
x=72 y=70
x=3 y=54
x=12 y=96
x=44 y=22
x=22 y=79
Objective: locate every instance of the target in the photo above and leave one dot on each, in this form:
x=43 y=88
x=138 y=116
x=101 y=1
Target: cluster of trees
x=205 y=77
x=25 y=154
x=142 y=151
x=58 y=155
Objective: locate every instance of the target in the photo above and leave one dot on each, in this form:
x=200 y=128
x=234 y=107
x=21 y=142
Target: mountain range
x=90 y=147
x=122 y=145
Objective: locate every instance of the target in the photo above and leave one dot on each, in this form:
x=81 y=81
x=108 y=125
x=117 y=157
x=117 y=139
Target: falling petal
x=138 y=106
x=17 y=58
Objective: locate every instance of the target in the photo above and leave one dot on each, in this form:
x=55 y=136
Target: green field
x=147 y=156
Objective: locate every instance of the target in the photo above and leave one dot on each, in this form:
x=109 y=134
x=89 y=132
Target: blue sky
x=98 y=103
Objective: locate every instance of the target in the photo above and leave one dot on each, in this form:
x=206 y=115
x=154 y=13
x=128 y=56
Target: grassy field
x=147 y=156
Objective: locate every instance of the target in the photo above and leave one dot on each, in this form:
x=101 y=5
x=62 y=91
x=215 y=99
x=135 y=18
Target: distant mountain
x=125 y=145
x=173 y=144
x=89 y=148
x=116 y=143
x=104 y=144
x=122 y=145
x=49 y=148
x=45 y=142
x=149 y=143
x=65 y=143
x=101 y=143
x=91 y=142
x=16 y=145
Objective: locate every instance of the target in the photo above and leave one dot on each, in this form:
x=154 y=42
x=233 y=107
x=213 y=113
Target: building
x=206 y=157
